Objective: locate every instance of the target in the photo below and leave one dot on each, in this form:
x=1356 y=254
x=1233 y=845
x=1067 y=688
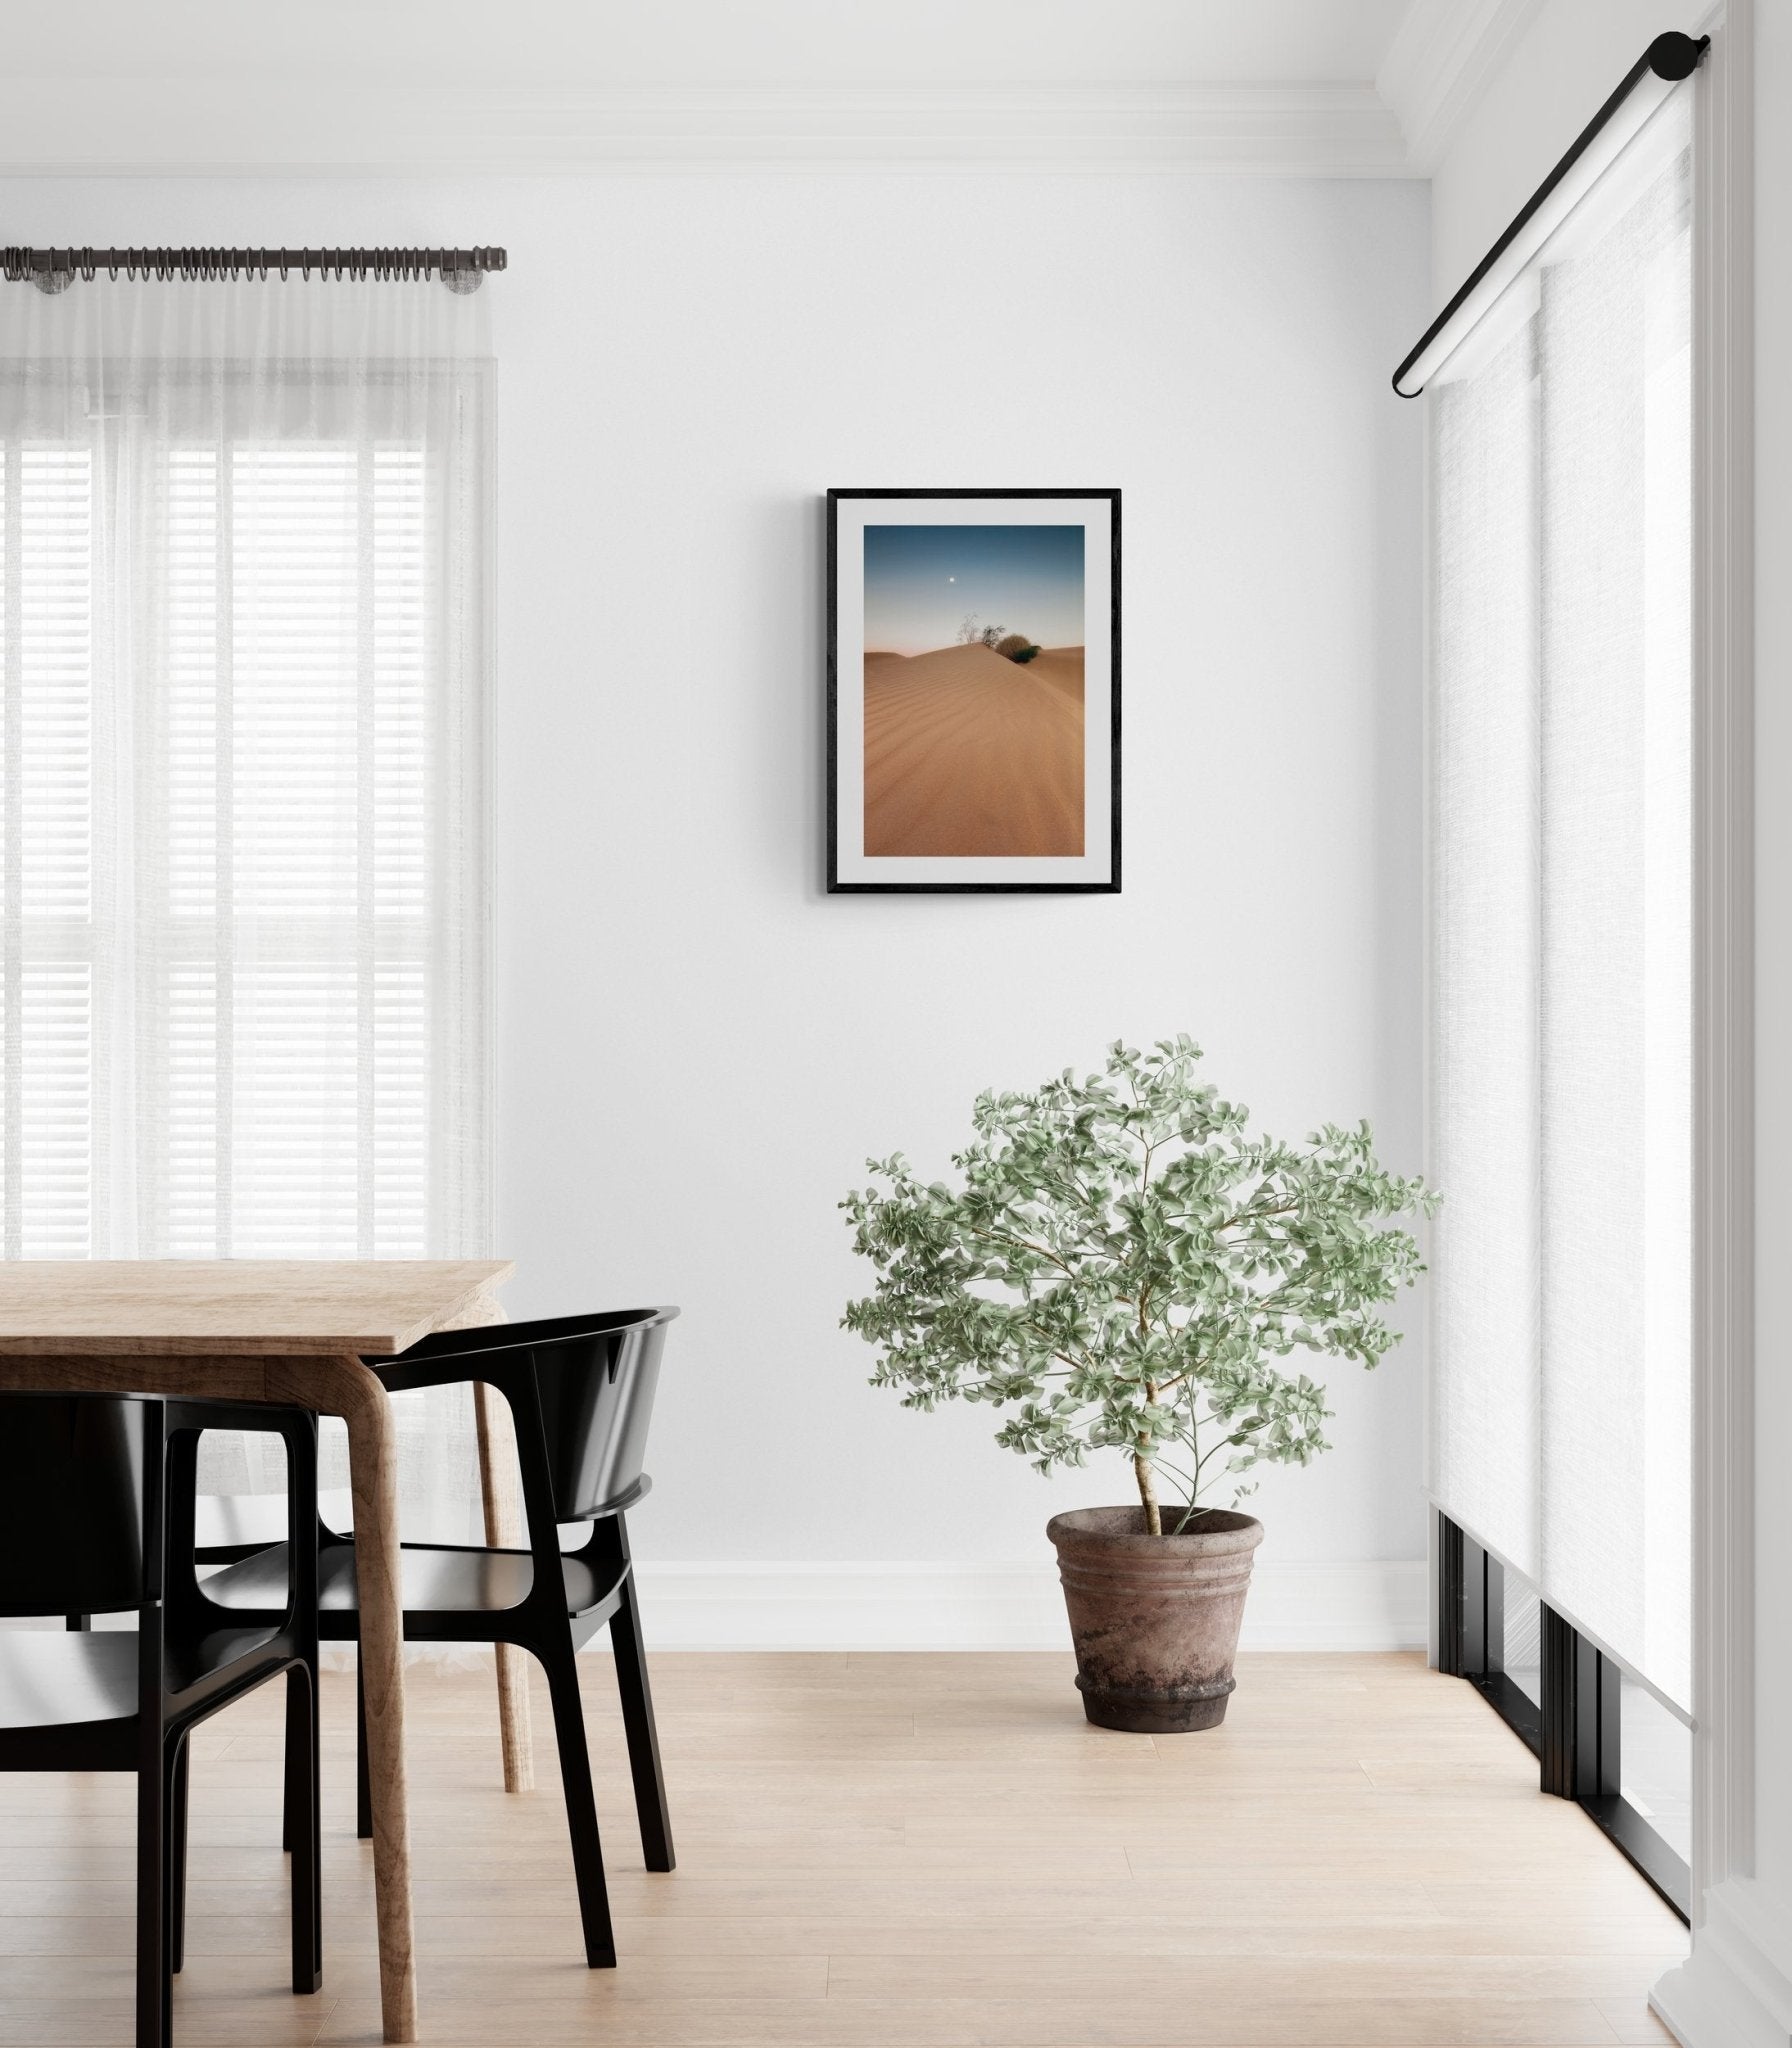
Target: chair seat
x=439 y=1579
x=49 y=1679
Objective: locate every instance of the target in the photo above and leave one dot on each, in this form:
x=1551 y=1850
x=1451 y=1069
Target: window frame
x=1576 y=1730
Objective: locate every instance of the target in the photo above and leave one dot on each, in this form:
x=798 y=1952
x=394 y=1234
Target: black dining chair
x=581 y=1393
x=96 y=1517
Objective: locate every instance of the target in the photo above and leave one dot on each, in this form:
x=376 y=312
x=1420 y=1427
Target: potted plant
x=1124 y=1268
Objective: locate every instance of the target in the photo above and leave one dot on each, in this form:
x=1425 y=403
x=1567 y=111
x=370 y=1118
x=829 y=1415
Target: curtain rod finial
x=1674 y=56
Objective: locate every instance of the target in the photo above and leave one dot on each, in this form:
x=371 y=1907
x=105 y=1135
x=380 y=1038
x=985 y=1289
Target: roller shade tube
x=1669 y=59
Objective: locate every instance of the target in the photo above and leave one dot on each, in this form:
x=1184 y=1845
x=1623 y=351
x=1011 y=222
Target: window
x=242 y=672
x=1600 y=1737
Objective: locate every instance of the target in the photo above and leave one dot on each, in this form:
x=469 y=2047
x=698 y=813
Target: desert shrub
x=1026 y=654
x=1014 y=645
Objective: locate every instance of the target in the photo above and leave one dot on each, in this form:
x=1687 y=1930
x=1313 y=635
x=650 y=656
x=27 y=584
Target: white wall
x=697 y=1046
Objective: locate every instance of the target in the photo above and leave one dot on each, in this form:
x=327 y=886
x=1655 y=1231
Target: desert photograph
x=973 y=691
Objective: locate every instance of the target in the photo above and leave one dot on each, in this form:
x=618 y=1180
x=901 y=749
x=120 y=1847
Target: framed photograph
x=974 y=690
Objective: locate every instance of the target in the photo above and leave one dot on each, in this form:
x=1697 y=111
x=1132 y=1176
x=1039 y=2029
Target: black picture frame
x=1110 y=886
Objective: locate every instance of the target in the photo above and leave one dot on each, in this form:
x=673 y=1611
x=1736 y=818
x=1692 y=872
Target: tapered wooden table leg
x=361 y=1401
x=503 y=1530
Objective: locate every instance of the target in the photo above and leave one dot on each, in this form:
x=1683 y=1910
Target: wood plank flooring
x=887 y=1852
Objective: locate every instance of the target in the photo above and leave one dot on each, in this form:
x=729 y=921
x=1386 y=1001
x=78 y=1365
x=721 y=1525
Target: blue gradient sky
x=922 y=581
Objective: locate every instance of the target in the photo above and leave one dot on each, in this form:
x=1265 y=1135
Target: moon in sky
x=951 y=579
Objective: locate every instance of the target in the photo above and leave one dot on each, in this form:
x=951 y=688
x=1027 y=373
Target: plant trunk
x=1141 y=1465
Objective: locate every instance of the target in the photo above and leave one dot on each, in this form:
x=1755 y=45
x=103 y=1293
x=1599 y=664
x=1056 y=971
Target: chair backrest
x=72 y=1477
x=597 y=1376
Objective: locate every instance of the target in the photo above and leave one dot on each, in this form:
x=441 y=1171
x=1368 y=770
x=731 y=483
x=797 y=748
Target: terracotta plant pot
x=1154 y=1618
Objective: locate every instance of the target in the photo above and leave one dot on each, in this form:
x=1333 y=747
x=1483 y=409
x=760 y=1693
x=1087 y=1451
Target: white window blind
x=244 y=542
x=1561 y=893
x=290 y=970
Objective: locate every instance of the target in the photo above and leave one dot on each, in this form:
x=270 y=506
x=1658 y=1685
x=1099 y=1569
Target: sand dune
x=968 y=753
x=1062 y=667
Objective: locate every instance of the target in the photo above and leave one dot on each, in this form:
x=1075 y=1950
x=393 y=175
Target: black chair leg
x=76 y=1624
x=643 y=1738
x=174 y=1910
x=292 y=1787
x=304 y=1829
x=363 y=1790
x=561 y=1666
x=154 y=1985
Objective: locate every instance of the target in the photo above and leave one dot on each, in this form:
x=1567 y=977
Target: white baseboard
x=1378 y=1605
x=1735 y=1989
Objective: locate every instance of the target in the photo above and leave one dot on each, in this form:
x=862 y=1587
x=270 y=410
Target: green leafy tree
x=1126 y=1268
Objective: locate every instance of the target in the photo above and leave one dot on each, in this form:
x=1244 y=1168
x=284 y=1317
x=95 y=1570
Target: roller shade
x=1561 y=906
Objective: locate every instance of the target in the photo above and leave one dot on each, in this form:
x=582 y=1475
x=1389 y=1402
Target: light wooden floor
x=891 y=1850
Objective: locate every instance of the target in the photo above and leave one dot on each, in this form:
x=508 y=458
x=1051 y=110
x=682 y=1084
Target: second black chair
x=581 y=1394
x=96 y=1516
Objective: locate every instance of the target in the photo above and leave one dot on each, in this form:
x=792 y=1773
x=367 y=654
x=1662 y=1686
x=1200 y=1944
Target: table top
x=257 y=1308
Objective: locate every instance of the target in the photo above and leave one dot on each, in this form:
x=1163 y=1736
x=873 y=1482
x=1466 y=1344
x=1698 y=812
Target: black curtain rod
x=54 y=270
x=1671 y=57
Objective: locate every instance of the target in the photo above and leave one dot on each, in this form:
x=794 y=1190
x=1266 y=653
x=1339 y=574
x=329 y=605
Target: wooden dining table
x=293 y=1332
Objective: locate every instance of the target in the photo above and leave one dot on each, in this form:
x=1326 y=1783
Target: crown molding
x=1432 y=77
x=110 y=127
x=1438 y=66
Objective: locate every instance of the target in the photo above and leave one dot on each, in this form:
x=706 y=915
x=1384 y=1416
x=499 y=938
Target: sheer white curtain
x=1562 y=940
x=243 y=650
